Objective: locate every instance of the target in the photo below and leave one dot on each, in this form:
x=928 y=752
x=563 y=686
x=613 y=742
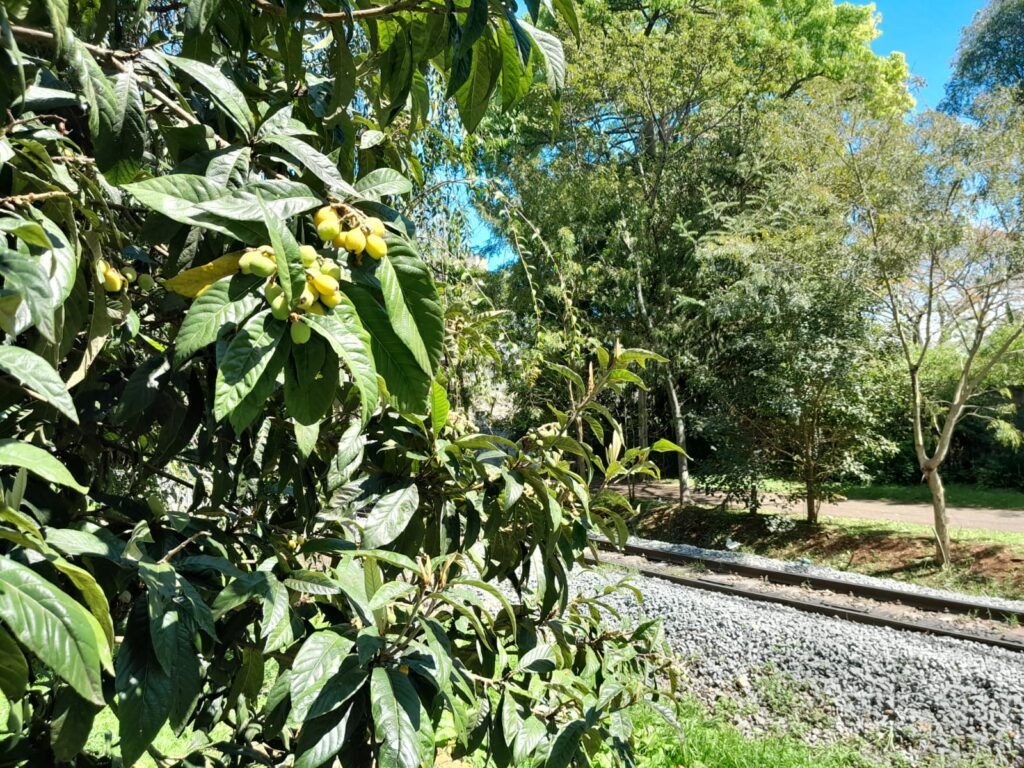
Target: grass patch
x=104 y=742
x=957 y=495
x=712 y=742
x=984 y=562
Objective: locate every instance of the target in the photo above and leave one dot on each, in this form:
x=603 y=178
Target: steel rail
x=821 y=607
x=839 y=586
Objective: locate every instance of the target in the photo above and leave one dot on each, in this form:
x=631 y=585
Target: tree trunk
x=941 y=518
x=642 y=425
x=811 y=492
x=679 y=425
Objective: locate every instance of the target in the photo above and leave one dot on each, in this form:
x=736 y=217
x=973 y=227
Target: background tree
x=990 y=57
x=938 y=212
x=661 y=137
x=790 y=371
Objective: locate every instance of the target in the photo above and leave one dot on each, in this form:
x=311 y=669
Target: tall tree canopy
x=664 y=136
x=991 y=56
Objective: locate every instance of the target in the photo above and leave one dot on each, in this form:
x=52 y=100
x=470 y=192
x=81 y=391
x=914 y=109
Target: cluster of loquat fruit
x=320 y=293
x=366 y=235
x=114 y=279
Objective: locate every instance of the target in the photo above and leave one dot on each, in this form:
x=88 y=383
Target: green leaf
x=144 y=690
x=513 y=84
x=15 y=453
x=550 y=49
x=567 y=10
x=224 y=93
x=390 y=516
x=348 y=338
x=220 y=307
x=666 y=446
x=530 y=736
x=73 y=542
x=91 y=83
x=370 y=139
x=13 y=667
x=310 y=381
x=317 y=662
x=494 y=592
x=175 y=195
x=405 y=379
x=313 y=583
x=25 y=276
x=566 y=745
x=390 y=593
x=59 y=261
x=410 y=298
x=229 y=167
x=322 y=739
x=439 y=408
x=383 y=181
x=122 y=136
x=28 y=232
x=254 y=403
x=91 y=592
x=57 y=10
x=70 y=724
x=291 y=274
x=249 y=677
x=474 y=95
x=58 y=630
x=396 y=718
x=391 y=558
x=38 y=376
x=539 y=659
x=199 y=202
x=277 y=623
x=185 y=679
x=244 y=361
x=315 y=162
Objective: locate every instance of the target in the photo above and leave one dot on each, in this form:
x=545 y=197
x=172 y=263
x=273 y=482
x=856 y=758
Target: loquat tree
x=236 y=499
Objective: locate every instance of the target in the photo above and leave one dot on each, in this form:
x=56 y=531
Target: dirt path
x=1007 y=520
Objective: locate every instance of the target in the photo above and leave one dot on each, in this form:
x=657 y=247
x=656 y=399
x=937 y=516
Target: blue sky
x=927 y=32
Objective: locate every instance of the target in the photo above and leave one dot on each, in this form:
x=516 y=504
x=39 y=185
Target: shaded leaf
x=39 y=377
x=54 y=627
x=15 y=453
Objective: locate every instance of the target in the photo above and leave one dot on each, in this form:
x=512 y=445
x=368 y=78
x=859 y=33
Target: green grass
x=856 y=526
x=711 y=742
x=957 y=495
x=103 y=741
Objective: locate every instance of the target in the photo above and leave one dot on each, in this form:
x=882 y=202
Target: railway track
x=876 y=608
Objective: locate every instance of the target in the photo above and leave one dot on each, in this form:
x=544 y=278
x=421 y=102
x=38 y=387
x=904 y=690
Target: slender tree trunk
x=942 y=542
x=642 y=425
x=678 y=423
x=930 y=466
x=679 y=426
x=811 y=492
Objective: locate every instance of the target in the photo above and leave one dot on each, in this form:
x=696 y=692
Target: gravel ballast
x=827 y=679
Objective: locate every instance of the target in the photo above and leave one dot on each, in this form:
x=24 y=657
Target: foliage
x=668 y=135
x=237 y=500
x=989 y=57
